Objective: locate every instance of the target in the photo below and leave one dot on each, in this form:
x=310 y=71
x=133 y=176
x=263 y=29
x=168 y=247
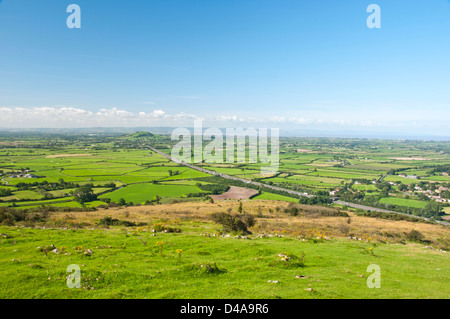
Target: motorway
x=336 y=201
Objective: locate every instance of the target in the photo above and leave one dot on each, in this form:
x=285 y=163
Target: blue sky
x=286 y=63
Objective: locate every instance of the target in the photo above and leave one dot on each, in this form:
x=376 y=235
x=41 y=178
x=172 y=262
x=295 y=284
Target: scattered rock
x=436 y=249
x=284 y=257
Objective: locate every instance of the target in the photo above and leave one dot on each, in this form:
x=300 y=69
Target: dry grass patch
x=272 y=219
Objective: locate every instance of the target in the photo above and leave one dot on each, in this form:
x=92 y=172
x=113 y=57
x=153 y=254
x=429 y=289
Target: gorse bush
x=160 y=228
x=248 y=219
x=415 y=236
x=314 y=211
x=9 y=216
x=109 y=221
x=392 y=216
x=235 y=223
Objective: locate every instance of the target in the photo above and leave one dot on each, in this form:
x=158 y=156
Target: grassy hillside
x=195 y=261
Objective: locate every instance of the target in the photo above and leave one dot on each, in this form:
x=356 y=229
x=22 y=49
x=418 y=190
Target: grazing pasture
x=295 y=257
x=139 y=193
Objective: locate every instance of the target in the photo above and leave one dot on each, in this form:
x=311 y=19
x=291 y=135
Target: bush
x=235 y=223
x=109 y=221
x=392 y=216
x=315 y=211
x=415 y=236
x=9 y=216
x=248 y=220
x=163 y=228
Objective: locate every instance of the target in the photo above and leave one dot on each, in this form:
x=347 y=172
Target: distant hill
x=143 y=135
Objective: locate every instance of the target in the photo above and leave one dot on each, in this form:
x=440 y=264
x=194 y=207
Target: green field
x=127 y=161
x=139 y=193
x=365 y=187
x=403 y=202
x=270 y=196
x=126 y=262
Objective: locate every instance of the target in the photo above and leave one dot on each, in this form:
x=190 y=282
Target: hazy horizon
x=286 y=64
x=165 y=130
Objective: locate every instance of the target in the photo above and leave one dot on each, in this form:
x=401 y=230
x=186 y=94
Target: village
x=26 y=173
x=427 y=191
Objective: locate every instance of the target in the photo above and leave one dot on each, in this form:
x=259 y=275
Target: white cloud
x=73 y=117
x=62 y=117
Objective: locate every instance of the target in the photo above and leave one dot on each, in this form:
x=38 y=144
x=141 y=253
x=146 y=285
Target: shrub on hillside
x=235 y=223
x=415 y=236
x=312 y=211
x=161 y=228
x=109 y=221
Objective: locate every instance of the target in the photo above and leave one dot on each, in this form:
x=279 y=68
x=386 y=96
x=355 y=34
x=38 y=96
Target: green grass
x=395 y=178
x=139 y=193
x=362 y=187
x=270 y=196
x=334 y=269
x=403 y=202
x=23 y=195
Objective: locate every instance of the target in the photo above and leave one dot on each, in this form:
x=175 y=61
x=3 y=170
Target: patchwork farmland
x=98 y=200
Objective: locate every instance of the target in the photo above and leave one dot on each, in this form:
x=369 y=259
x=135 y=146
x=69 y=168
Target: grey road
x=286 y=190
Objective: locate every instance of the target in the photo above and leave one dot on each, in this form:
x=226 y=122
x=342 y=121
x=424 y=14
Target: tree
x=5 y=192
x=432 y=209
x=402 y=187
x=84 y=194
